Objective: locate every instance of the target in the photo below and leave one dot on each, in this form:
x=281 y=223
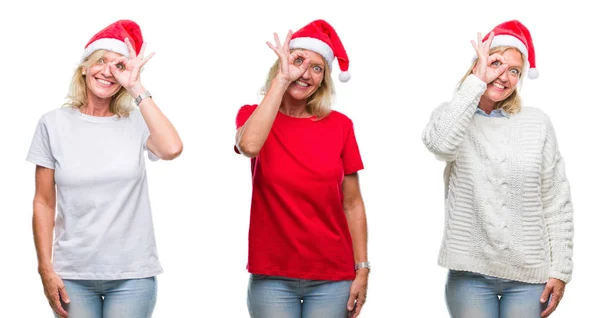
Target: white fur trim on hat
x=108 y=44
x=509 y=40
x=314 y=45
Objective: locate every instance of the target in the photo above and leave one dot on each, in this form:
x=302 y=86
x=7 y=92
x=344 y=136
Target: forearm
x=165 y=139
x=448 y=125
x=357 y=223
x=558 y=216
x=559 y=225
x=252 y=136
x=557 y=207
x=43 y=227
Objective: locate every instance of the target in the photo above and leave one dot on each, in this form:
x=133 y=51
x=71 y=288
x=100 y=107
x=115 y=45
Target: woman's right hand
x=488 y=67
x=291 y=65
x=55 y=290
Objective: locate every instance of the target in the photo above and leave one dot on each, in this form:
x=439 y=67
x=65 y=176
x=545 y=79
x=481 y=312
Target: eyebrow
x=520 y=67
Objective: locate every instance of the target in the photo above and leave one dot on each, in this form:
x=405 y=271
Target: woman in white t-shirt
x=90 y=165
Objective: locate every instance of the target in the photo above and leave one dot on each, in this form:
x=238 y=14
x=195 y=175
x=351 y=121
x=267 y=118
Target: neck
x=293 y=107
x=486 y=104
x=97 y=106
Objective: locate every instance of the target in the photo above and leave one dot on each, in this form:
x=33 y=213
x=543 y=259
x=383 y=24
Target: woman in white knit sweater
x=508 y=238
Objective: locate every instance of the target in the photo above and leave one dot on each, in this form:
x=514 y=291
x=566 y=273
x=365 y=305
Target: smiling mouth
x=104 y=82
x=499 y=86
x=301 y=84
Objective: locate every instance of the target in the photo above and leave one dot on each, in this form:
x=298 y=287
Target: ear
x=83 y=70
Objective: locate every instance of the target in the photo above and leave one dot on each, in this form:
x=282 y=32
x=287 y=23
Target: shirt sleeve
x=350 y=153
x=40 y=151
x=241 y=118
x=448 y=123
x=141 y=124
x=243 y=115
x=558 y=209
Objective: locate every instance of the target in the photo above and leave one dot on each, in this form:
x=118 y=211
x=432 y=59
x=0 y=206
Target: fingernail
x=542 y=300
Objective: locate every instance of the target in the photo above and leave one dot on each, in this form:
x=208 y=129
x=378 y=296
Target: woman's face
x=500 y=88
x=98 y=78
x=310 y=81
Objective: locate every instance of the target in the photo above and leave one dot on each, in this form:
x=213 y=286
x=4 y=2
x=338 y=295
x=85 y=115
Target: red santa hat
x=514 y=33
x=112 y=38
x=320 y=37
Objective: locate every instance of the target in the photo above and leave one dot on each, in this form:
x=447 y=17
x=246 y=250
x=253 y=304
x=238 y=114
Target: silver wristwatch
x=139 y=99
x=360 y=265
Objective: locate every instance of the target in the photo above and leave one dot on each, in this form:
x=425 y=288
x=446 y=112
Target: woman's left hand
x=358 y=292
x=556 y=288
x=127 y=70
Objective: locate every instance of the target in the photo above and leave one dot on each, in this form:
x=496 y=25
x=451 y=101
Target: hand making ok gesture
x=291 y=64
x=127 y=70
x=488 y=67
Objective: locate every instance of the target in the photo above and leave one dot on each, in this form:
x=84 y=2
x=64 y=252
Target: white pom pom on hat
x=344 y=76
x=533 y=73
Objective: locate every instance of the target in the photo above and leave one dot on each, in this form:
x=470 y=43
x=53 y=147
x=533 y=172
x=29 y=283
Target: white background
x=211 y=58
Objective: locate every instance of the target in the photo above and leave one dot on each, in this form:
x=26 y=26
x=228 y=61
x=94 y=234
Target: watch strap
x=360 y=265
x=143 y=95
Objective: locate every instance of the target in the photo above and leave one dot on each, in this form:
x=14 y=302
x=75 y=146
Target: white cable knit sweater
x=507 y=198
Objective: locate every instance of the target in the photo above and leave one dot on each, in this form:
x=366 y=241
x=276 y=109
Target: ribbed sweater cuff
x=558 y=275
x=473 y=82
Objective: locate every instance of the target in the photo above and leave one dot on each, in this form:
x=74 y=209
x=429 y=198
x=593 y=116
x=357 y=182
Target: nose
x=106 y=71
x=306 y=75
x=504 y=76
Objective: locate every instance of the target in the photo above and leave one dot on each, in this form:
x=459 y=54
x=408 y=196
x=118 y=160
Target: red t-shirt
x=298 y=228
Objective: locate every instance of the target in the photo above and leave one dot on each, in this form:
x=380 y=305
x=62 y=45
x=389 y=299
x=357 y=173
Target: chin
x=105 y=94
x=299 y=95
x=495 y=97
x=502 y=98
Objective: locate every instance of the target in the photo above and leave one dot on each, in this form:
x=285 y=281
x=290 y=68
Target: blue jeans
x=472 y=295
x=282 y=297
x=132 y=298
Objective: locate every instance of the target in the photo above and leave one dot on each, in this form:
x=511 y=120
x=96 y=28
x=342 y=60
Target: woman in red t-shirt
x=308 y=231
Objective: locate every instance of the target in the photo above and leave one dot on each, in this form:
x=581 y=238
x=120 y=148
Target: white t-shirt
x=103 y=227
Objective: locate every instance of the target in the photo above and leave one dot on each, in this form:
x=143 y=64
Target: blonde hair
x=319 y=103
x=512 y=104
x=120 y=103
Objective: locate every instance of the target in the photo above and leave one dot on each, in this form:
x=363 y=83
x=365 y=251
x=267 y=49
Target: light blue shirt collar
x=494 y=113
